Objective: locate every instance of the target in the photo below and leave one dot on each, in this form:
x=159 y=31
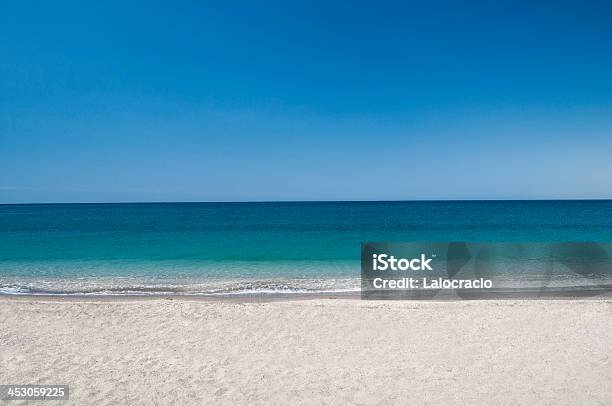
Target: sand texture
x=314 y=352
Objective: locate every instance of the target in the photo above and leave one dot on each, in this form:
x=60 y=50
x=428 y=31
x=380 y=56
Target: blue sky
x=209 y=101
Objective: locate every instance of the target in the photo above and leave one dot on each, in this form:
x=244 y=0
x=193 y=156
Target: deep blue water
x=196 y=247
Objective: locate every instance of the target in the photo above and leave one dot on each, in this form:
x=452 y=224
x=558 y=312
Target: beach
x=310 y=351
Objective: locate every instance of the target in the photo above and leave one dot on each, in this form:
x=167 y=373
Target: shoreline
x=604 y=293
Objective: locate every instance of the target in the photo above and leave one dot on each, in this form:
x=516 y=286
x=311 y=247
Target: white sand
x=322 y=351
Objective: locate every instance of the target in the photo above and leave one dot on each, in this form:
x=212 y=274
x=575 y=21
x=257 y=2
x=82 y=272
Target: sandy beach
x=321 y=351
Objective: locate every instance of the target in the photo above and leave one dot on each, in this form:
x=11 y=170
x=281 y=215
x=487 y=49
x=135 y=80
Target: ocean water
x=221 y=248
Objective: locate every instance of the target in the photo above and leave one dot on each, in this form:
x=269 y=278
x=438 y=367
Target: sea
x=255 y=248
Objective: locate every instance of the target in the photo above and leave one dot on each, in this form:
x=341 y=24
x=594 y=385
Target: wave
x=131 y=287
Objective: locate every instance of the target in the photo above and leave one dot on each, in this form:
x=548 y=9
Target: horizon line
x=315 y=201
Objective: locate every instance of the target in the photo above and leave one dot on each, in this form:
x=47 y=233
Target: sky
x=264 y=101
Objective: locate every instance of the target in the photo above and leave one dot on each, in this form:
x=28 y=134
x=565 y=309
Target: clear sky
x=200 y=101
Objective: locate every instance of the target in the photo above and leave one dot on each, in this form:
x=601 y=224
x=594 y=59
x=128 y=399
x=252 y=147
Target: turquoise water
x=196 y=248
